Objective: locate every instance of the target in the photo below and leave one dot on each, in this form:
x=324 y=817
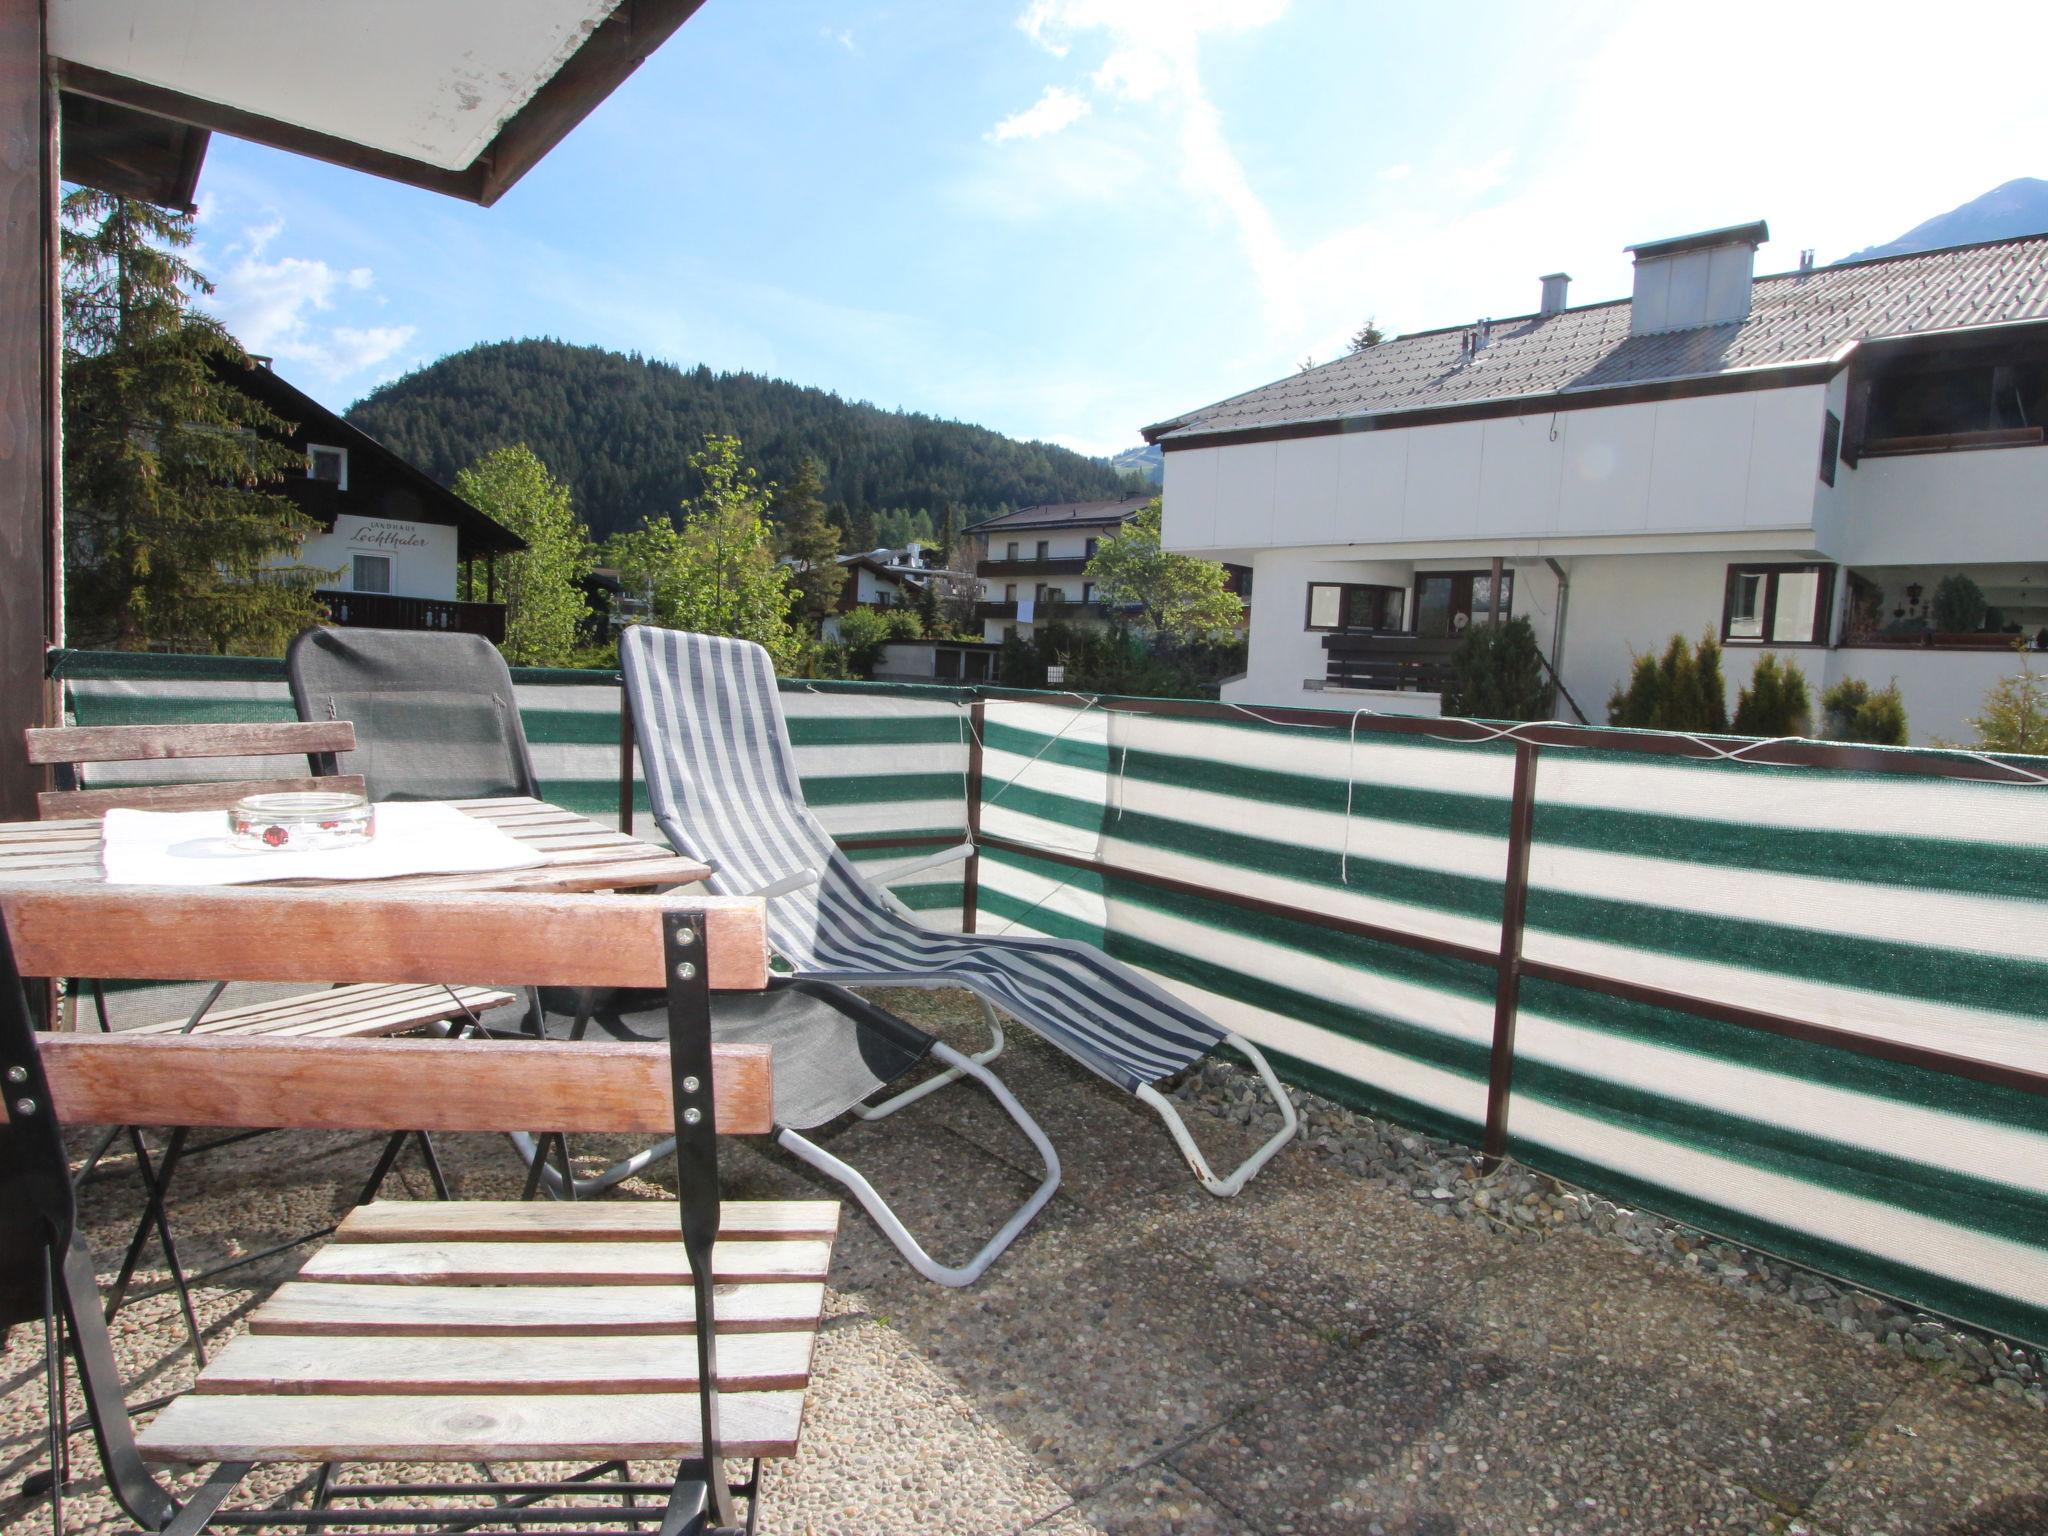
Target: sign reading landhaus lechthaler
x=387 y=535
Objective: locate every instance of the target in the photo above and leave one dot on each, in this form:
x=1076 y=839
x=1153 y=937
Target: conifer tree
x=174 y=535
x=716 y=573
x=2014 y=714
x=544 y=602
x=806 y=536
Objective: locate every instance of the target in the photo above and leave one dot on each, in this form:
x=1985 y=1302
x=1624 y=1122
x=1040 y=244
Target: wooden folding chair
x=463 y=1332
x=345 y=1012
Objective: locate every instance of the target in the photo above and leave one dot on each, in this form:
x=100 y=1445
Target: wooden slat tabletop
x=582 y=855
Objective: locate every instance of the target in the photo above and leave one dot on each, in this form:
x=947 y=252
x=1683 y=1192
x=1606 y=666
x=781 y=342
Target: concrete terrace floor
x=1317 y=1355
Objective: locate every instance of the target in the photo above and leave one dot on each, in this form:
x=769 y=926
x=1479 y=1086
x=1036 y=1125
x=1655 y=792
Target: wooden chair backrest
x=271 y=934
x=70 y=747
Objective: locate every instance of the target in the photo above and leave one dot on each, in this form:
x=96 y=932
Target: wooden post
x=29 y=619
x=970 y=895
x=1493 y=594
x=1507 y=989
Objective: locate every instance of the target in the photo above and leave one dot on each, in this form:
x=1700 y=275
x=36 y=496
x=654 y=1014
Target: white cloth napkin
x=413 y=838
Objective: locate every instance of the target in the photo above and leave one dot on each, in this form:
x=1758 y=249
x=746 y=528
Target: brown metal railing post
x=625 y=761
x=970 y=896
x=1507 y=991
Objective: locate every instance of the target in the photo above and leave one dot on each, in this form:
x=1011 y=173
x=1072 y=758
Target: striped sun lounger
x=723 y=784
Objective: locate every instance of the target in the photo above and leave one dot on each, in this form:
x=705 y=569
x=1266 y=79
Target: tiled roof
x=1061 y=514
x=1795 y=317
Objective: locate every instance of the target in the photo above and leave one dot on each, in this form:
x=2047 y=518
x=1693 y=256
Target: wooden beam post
x=29 y=618
x=1493 y=593
x=1507 y=990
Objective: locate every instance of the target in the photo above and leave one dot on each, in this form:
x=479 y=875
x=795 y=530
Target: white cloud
x=1153 y=60
x=843 y=36
x=1058 y=108
x=1399 y=172
x=280 y=308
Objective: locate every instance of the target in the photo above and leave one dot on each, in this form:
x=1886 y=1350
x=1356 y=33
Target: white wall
x=1981 y=507
x=1942 y=689
x=422 y=554
x=1712 y=464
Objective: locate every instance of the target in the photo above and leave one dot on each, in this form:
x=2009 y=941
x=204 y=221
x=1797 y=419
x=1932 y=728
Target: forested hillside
x=618 y=430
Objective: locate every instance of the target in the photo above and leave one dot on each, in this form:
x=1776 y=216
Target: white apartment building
x=1032 y=563
x=1793 y=462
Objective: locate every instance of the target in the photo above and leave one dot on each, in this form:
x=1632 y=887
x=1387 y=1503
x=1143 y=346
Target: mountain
x=1146 y=460
x=2018 y=208
x=619 y=429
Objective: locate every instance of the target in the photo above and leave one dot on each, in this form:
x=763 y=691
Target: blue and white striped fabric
x=723 y=784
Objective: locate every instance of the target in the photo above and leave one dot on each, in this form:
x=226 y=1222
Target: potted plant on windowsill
x=1960 y=613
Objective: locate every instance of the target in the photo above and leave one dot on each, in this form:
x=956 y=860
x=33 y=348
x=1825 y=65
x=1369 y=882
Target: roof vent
x=1474 y=341
x=1806 y=261
x=1695 y=280
x=1554 y=285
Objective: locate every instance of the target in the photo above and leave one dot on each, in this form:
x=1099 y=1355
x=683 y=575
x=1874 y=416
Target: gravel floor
x=1370 y=1339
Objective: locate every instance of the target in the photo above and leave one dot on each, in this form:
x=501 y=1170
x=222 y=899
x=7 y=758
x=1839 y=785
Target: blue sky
x=1067 y=218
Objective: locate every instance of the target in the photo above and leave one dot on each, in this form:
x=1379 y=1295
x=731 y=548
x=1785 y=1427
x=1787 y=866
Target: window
x=1830 y=447
x=1009 y=591
x=1012 y=551
x=1044 y=548
x=329 y=464
x=372 y=574
x=1087 y=591
x=1352 y=605
x=1778 y=604
x=1449 y=602
x=1089 y=552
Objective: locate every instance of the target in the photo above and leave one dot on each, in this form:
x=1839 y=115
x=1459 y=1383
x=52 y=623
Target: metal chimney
x=1554 y=285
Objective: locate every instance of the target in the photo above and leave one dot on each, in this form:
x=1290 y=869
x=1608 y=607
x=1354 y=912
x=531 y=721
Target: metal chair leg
x=892 y=1226
x=908 y=1096
x=1236 y=1181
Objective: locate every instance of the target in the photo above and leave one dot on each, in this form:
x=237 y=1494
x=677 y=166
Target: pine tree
x=1776 y=702
x=806 y=536
x=716 y=573
x=173 y=536
x=1368 y=335
x=544 y=602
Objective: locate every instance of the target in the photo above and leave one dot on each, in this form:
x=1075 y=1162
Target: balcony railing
x=1387 y=660
x=1714 y=999
x=1064 y=566
x=380 y=610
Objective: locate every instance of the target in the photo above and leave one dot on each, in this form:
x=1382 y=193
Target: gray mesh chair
x=723 y=782
x=435 y=713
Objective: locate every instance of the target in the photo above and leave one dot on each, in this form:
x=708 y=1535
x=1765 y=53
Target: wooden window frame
x=1344 y=589
x=1823 y=602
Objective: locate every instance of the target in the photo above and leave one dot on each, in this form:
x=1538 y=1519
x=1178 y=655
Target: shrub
x=1851 y=712
x=2014 y=714
x=1683 y=690
x=1776 y=702
x=904 y=624
x=1497 y=674
x=1958 y=605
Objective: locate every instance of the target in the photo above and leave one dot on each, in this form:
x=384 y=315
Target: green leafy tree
x=1497 y=674
x=1852 y=711
x=806 y=536
x=2014 y=714
x=1776 y=702
x=1179 y=596
x=174 y=535
x=716 y=574
x=1683 y=690
x=863 y=632
x=544 y=602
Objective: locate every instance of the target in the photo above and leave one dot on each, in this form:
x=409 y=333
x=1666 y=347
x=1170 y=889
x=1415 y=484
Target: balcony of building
x=382 y=610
